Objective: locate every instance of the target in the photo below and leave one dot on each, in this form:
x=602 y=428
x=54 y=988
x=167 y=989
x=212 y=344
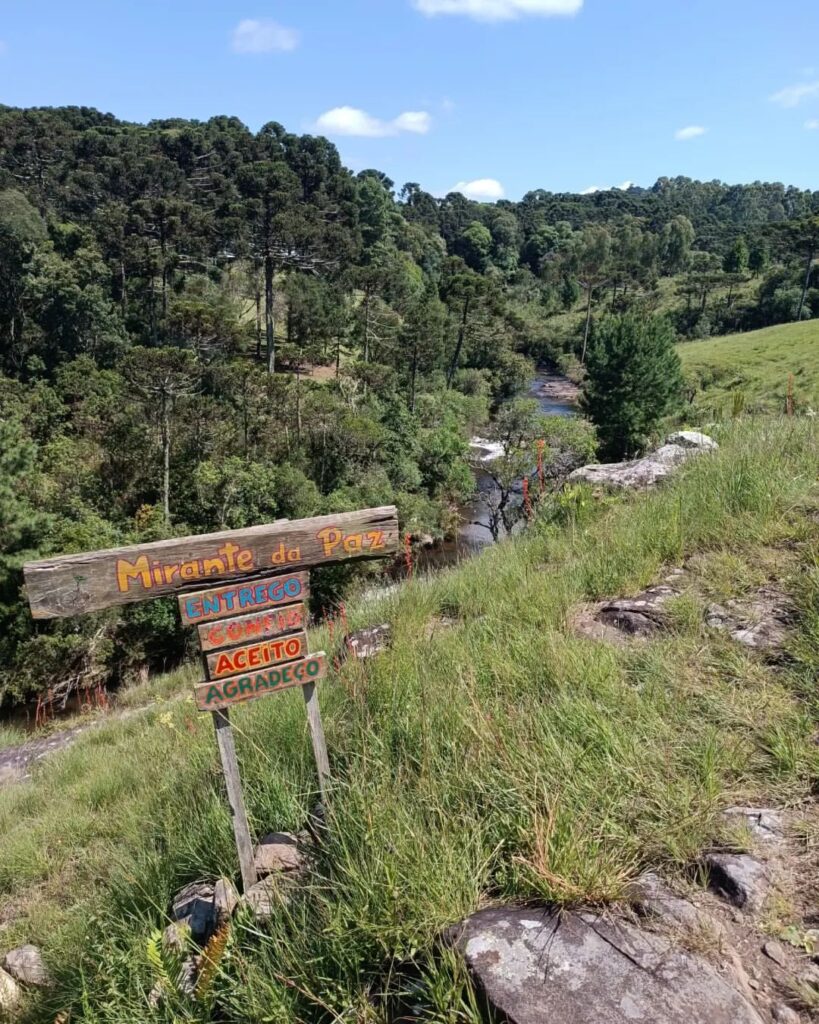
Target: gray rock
x=278 y=851
x=739 y=878
x=784 y=1014
x=648 y=471
x=763 y=822
x=775 y=951
x=26 y=964
x=263 y=898
x=225 y=898
x=176 y=937
x=366 y=643
x=636 y=475
x=193 y=906
x=11 y=994
x=652 y=897
x=760 y=623
x=641 y=615
x=670 y=454
x=692 y=439
x=575 y=968
x=188 y=975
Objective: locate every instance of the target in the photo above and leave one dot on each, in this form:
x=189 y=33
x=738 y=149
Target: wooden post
x=317 y=736
x=230 y=768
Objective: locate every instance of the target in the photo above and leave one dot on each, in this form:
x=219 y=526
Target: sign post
x=251 y=627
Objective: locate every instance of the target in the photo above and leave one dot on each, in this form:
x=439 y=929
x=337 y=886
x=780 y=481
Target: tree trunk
x=269 y=321
x=413 y=376
x=589 y=290
x=123 y=290
x=298 y=399
x=808 y=269
x=367 y=325
x=166 y=458
x=257 y=298
x=457 y=353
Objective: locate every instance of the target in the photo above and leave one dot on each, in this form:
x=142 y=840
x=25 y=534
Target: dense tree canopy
x=202 y=327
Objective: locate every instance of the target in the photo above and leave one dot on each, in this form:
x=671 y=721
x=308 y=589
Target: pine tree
x=633 y=380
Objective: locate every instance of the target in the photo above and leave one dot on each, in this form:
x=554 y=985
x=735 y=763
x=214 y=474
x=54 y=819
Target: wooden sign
x=224 y=693
x=207 y=605
x=268 y=652
x=257 y=626
x=75 y=584
x=251 y=628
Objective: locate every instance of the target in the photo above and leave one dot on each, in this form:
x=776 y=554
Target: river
x=556 y=396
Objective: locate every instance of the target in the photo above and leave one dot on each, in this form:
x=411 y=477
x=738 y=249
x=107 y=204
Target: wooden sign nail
x=247 y=596
x=224 y=693
x=234 y=660
x=74 y=584
x=256 y=626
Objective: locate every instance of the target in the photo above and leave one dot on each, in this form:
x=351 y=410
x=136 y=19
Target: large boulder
x=539 y=965
x=25 y=964
x=638 y=474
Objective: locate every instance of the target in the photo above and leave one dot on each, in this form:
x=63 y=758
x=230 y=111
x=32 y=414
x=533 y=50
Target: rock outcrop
x=537 y=965
x=25 y=964
x=638 y=474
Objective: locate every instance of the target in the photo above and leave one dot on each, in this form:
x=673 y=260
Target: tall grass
x=492 y=756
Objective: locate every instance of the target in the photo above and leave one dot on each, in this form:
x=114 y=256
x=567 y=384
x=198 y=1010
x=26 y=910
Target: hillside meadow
x=492 y=754
x=755 y=366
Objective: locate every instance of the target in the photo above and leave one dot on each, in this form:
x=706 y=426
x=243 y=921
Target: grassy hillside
x=756 y=365
x=492 y=754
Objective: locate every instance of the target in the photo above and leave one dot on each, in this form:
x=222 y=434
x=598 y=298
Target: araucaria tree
x=633 y=380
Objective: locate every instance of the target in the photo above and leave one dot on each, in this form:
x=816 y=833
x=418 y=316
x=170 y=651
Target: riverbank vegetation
x=202 y=327
x=492 y=754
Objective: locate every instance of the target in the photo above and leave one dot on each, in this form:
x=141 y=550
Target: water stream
x=556 y=396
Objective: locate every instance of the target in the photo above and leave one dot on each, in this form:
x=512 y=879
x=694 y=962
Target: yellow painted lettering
x=138 y=570
x=330 y=538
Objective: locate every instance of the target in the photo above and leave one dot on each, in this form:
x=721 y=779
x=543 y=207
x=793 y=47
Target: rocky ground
x=712 y=948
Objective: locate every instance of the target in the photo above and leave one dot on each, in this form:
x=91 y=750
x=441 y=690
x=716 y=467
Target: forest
x=203 y=327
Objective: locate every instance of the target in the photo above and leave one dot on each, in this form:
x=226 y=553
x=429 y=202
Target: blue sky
x=493 y=96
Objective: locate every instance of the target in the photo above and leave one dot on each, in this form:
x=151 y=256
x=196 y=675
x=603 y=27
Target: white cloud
x=416 y=121
x=353 y=121
x=481 y=188
x=262 y=35
x=692 y=131
x=498 y=10
x=812 y=125
x=793 y=95
x=626 y=185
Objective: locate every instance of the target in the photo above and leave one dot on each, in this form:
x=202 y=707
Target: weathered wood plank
x=317 y=737
x=233 y=785
x=247 y=596
x=224 y=693
x=74 y=584
x=213 y=636
x=249 y=658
